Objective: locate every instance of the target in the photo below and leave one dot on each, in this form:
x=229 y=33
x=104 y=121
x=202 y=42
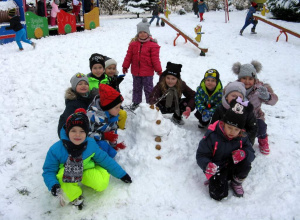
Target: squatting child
x=97 y=67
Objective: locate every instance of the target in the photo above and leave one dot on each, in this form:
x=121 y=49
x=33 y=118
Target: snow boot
x=236 y=185
x=201 y=125
x=241 y=32
x=134 y=106
x=78 y=203
x=33 y=45
x=253 y=31
x=157 y=24
x=177 y=121
x=264 y=145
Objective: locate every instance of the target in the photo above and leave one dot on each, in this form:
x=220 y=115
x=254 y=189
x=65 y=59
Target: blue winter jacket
x=250 y=13
x=202 y=7
x=92 y=156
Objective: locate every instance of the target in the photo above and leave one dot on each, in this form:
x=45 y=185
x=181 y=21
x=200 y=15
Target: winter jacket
x=92 y=156
x=252 y=96
x=250 y=126
x=195 y=6
x=250 y=13
x=73 y=101
x=205 y=101
x=54 y=9
x=156 y=10
x=143 y=58
x=101 y=121
x=189 y=94
x=202 y=7
x=14 y=24
x=40 y=8
x=113 y=81
x=217 y=148
x=93 y=81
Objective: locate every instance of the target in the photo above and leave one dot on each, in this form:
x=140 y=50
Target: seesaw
x=282 y=29
x=187 y=38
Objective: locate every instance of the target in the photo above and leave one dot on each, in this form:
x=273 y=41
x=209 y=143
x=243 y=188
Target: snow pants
x=262 y=129
x=182 y=108
x=140 y=83
x=153 y=17
x=97 y=178
x=248 y=22
x=21 y=36
x=107 y=148
x=198 y=115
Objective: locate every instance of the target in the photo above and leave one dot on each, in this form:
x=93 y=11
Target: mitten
x=120 y=146
x=263 y=93
x=211 y=170
x=238 y=156
x=206 y=115
x=187 y=112
x=125 y=70
x=126 y=179
x=110 y=136
x=55 y=190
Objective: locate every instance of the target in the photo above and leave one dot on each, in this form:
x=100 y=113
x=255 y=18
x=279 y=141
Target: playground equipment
x=198 y=32
x=264 y=10
x=187 y=38
x=226 y=11
x=282 y=29
x=37 y=26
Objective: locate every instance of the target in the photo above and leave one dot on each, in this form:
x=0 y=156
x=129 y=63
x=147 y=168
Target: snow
x=33 y=86
x=6 y=5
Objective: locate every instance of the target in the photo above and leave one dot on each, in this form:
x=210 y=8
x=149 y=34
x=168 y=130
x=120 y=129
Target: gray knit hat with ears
x=143 y=26
x=247 y=69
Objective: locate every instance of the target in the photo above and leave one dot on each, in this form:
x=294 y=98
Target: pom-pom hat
x=250 y=69
x=97 y=58
x=78 y=118
x=143 y=26
x=173 y=69
x=78 y=77
x=109 y=97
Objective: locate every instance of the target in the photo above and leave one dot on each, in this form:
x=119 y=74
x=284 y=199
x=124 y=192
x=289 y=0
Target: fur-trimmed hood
x=70 y=94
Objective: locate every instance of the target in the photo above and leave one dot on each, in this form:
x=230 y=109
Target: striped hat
x=12 y=12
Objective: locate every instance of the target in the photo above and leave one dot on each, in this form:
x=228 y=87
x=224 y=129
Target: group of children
x=88 y=126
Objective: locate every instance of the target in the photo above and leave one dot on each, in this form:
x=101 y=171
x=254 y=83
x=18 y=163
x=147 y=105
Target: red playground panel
x=66 y=22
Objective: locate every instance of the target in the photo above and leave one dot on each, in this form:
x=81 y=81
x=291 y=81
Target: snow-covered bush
x=285 y=9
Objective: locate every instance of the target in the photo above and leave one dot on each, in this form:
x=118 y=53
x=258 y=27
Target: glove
x=110 y=136
x=55 y=190
x=187 y=112
x=211 y=170
x=120 y=146
x=263 y=93
x=238 y=156
x=125 y=70
x=206 y=115
x=126 y=179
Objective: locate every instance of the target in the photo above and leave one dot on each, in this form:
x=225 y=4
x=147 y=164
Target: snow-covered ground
x=33 y=83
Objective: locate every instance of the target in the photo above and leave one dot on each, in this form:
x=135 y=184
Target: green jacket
x=94 y=82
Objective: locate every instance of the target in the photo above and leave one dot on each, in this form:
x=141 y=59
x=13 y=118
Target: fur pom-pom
x=80 y=110
x=257 y=65
x=236 y=68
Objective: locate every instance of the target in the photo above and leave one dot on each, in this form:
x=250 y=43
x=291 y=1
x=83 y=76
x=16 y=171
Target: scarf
x=74 y=164
x=144 y=40
x=172 y=95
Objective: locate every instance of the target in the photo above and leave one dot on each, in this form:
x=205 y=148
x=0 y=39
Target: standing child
x=231 y=92
x=143 y=56
x=77 y=158
x=168 y=91
x=225 y=153
x=257 y=93
x=155 y=13
x=103 y=114
x=208 y=97
x=250 y=19
x=54 y=12
x=195 y=8
x=15 y=25
x=77 y=96
x=97 y=66
x=201 y=7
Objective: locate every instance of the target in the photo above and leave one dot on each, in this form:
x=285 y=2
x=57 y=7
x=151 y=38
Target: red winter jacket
x=143 y=58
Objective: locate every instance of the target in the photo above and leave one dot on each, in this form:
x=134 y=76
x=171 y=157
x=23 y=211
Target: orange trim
x=7 y=36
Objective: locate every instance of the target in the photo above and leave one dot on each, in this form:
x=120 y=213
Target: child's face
x=210 y=83
x=233 y=95
x=97 y=70
x=248 y=81
x=171 y=81
x=111 y=70
x=77 y=135
x=82 y=87
x=231 y=131
x=115 y=110
x=143 y=35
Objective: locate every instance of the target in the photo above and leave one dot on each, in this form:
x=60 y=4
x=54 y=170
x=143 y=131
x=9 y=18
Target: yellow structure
x=264 y=11
x=91 y=19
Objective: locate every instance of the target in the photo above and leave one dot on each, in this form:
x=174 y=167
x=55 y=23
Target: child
x=77 y=96
x=225 y=153
x=250 y=19
x=201 y=7
x=143 y=56
x=77 y=158
x=257 y=93
x=15 y=25
x=231 y=92
x=195 y=8
x=97 y=66
x=76 y=10
x=54 y=12
x=167 y=94
x=103 y=114
x=155 y=13
x=112 y=79
x=208 y=97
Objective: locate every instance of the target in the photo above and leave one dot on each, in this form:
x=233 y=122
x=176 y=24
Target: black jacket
x=14 y=24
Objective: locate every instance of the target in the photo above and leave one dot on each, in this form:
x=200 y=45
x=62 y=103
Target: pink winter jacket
x=54 y=9
x=256 y=101
x=143 y=58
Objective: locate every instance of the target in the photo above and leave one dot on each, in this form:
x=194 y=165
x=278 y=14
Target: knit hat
x=109 y=97
x=12 y=12
x=247 y=69
x=110 y=62
x=173 y=69
x=143 y=26
x=77 y=78
x=237 y=114
x=234 y=87
x=212 y=73
x=78 y=118
x=254 y=4
x=97 y=58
